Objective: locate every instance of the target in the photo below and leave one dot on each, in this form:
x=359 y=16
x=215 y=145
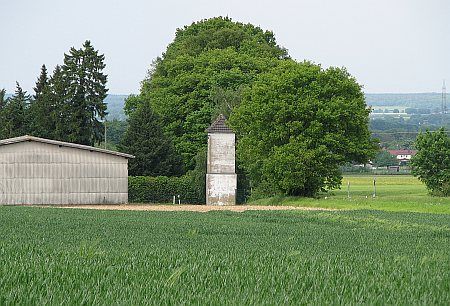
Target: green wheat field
x=354 y=256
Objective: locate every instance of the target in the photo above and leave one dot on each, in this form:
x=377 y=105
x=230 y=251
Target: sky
x=395 y=46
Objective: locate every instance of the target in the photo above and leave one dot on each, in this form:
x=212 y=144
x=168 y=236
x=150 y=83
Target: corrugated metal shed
x=42 y=171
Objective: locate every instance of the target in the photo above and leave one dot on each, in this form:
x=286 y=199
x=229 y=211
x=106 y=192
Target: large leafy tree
x=207 y=63
x=431 y=164
x=296 y=126
x=86 y=89
x=153 y=151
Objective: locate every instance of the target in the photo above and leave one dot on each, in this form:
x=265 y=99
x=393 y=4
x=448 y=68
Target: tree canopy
x=207 y=59
x=86 y=90
x=13 y=114
x=66 y=106
x=145 y=139
x=431 y=164
x=297 y=124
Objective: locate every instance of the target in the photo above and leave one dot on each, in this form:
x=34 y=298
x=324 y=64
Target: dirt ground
x=196 y=208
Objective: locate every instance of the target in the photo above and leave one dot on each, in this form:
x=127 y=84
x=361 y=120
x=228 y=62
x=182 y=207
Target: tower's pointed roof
x=219 y=126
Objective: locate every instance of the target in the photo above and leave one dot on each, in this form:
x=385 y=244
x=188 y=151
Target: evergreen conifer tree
x=86 y=90
x=59 y=111
x=2 y=113
x=155 y=154
x=14 y=114
x=38 y=117
x=2 y=98
x=41 y=83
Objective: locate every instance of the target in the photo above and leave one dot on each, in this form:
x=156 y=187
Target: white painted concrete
x=221 y=178
x=221 y=189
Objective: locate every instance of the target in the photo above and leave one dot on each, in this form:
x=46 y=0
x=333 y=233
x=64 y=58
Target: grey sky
x=388 y=45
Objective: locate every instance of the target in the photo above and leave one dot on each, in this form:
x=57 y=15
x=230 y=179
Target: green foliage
x=431 y=164
x=74 y=256
x=208 y=62
x=198 y=175
x=86 y=90
x=66 y=106
x=153 y=150
x=384 y=159
x=41 y=83
x=59 y=115
x=161 y=189
x=13 y=114
x=296 y=126
x=41 y=111
x=131 y=104
x=115 y=130
x=2 y=98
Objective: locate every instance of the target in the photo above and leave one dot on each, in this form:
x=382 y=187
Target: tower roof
x=219 y=126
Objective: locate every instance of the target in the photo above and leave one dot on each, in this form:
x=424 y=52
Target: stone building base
x=221 y=189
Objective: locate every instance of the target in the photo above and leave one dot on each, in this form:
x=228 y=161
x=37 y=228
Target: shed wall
x=40 y=173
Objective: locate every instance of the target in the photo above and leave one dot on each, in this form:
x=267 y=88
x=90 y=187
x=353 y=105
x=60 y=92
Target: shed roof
x=219 y=126
x=62 y=144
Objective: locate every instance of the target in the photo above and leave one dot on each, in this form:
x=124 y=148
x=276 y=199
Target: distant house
x=403 y=156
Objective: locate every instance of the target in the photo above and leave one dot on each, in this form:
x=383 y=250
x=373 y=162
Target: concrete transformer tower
x=221 y=178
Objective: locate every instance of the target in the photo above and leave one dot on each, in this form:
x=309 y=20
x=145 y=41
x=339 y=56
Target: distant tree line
x=398 y=132
x=66 y=105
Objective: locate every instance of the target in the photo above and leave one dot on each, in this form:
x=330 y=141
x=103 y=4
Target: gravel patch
x=195 y=208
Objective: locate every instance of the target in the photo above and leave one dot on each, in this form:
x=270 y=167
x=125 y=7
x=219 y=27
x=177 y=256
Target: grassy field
x=74 y=256
x=393 y=193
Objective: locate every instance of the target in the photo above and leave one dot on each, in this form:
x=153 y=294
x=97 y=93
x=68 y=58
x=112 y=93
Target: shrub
x=431 y=164
x=161 y=189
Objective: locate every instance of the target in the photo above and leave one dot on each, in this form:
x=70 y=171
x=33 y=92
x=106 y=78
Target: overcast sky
x=388 y=45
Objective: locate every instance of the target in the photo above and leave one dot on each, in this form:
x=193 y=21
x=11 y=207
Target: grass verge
x=393 y=193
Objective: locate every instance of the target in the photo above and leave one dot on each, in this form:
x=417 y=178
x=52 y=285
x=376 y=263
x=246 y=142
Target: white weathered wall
x=221 y=153
x=221 y=180
x=221 y=189
x=39 y=173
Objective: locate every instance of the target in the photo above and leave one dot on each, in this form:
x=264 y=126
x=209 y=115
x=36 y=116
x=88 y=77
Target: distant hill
x=414 y=100
x=115 y=106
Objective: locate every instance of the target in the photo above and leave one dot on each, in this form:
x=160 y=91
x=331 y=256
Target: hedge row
x=161 y=189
